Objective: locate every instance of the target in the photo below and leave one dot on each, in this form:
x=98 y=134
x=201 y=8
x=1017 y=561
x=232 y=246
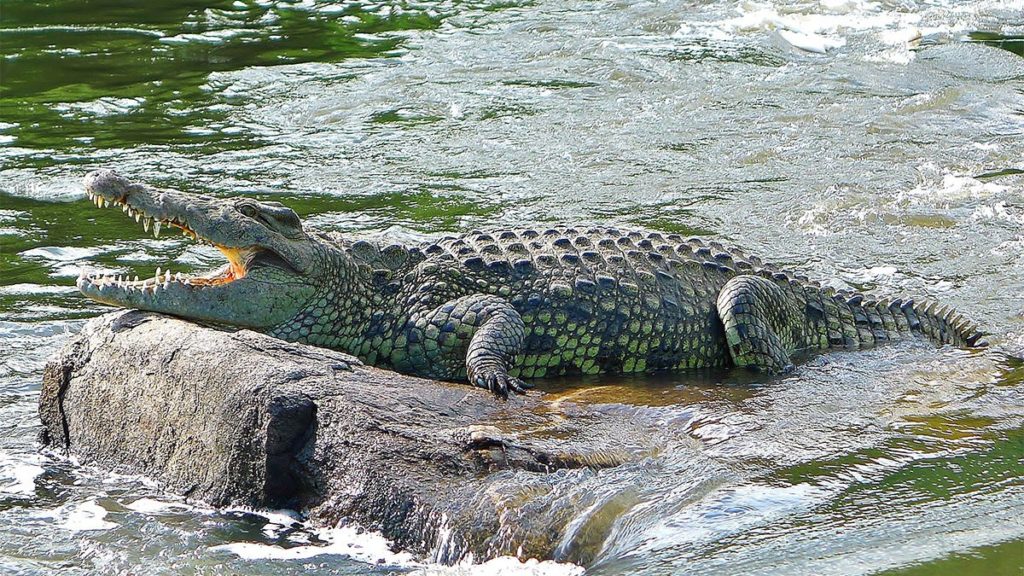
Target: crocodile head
x=265 y=282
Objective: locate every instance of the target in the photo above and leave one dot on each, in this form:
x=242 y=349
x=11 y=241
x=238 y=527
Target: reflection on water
x=871 y=145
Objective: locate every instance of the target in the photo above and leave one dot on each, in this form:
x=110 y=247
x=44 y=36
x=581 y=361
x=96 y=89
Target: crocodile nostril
x=106 y=182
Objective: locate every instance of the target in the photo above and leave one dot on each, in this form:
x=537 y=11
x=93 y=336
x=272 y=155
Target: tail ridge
x=941 y=324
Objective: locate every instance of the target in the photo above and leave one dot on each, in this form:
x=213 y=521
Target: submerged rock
x=240 y=418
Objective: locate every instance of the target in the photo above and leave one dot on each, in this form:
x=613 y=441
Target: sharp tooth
x=138 y=216
x=136 y=279
x=102 y=202
x=177 y=277
x=157 y=277
x=156 y=229
x=145 y=224
x=167 y=276
x=124 y=208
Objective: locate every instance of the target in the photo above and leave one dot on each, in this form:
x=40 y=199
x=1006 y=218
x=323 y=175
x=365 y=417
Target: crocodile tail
x=854 y=320
x=940 y=324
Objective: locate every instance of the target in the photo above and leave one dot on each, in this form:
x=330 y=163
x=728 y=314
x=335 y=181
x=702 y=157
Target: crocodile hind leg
x=479 y=333
x=760 y=323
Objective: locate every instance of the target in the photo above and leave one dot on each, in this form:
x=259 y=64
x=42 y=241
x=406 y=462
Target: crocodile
x=502 y=307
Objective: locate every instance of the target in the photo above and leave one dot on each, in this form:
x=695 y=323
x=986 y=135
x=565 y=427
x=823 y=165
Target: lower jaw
x=164 y=280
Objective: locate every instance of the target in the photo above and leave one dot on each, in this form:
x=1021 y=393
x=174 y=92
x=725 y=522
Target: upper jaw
x=197 y=216
x=156 y=209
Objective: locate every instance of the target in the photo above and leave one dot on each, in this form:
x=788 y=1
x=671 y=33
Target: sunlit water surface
x=874 y=145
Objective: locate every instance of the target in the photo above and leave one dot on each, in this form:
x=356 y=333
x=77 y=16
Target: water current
x=875 y=145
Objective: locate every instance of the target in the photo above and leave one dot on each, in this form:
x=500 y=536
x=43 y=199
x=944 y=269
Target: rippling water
x=875 y=145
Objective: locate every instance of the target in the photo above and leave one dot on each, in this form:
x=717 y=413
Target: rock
x=240 y=418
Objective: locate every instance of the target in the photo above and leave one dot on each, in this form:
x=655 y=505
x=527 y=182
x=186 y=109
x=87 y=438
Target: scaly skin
x=498 y=307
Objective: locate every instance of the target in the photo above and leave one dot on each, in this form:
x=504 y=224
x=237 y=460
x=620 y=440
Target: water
x=874 y=145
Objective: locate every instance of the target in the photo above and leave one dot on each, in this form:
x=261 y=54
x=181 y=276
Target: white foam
x=900 y=36
x=281 y=517
x=824 y=25
x=277 y=520
x=813 y=30
x=139 y=256
x=156 y=507
x=208 y=37
x=82 y=517
x=101 y=107
x=875 y=274
x=950 y=187
x=998 y=212
x=26 y=288
x=18 y=476
x=60 y=253
x=811 y=42
x=369 y=547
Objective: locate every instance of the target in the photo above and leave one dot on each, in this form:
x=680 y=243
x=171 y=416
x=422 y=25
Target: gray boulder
x=240 y=418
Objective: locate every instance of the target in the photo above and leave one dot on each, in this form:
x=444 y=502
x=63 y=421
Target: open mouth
x=240 y=259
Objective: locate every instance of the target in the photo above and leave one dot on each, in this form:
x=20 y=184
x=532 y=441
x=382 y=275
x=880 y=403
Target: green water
x=890 y=162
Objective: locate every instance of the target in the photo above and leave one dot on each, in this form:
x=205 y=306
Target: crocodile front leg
x=479 y=334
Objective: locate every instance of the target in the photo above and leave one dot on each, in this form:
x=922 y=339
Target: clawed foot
x=501 y=383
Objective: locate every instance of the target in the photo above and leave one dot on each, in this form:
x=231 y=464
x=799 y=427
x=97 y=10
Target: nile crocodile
x=501 y=306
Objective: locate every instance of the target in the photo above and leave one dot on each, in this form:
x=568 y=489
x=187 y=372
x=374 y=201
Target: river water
x=875 y=145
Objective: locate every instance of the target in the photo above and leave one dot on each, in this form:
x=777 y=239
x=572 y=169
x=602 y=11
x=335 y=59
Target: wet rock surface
x=239 y=418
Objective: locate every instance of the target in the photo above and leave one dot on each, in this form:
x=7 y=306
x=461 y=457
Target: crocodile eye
x=249 y=210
